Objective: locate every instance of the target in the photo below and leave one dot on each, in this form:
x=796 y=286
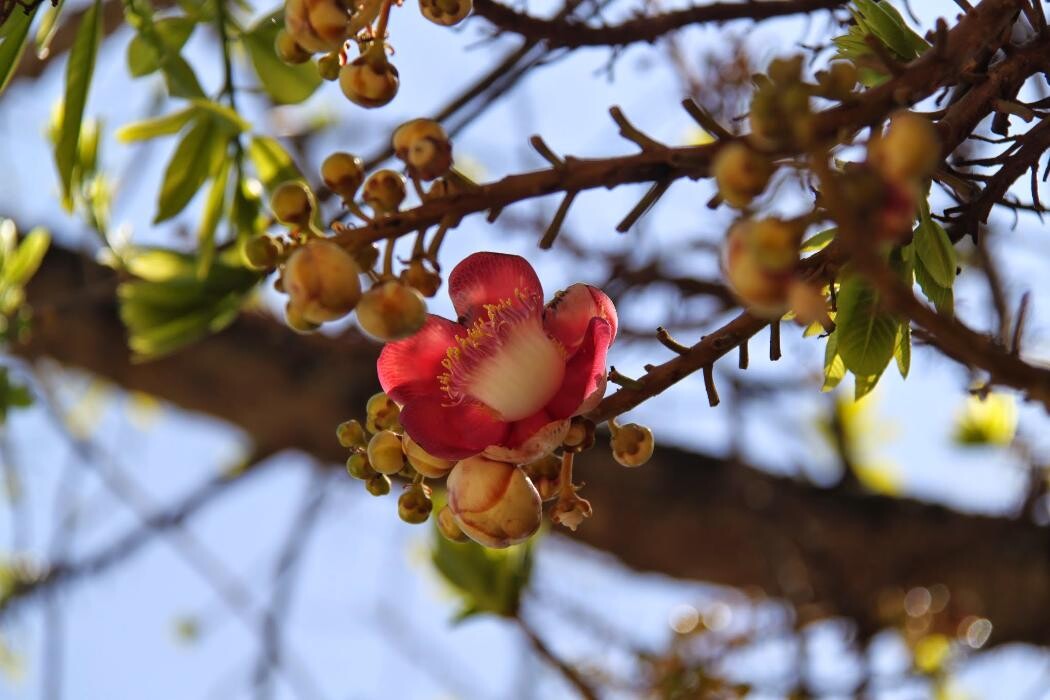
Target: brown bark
x=828 y=552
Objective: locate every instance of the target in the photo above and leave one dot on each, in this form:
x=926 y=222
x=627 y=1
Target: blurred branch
x=558 y=32
x=568 y=672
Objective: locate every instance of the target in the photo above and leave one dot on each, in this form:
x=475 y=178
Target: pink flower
x=505 y=378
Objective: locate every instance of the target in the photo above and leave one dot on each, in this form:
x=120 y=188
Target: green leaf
x=865 y=332
x=834 y=367
x=213 y=207
x=194 y=159
x=234 y=121
x=935 y=250
x=883 y=21
x=902 y=348
x=818 y=240
x=79 y=70
x=179 y=77
x=13 y=35
x=156 y=264
x=272 y=163
x=48 y=26
x=942 y=298
x=286 y=84
x=155 y=41
x=24 y=262
x=157 y=126
x=863 y=384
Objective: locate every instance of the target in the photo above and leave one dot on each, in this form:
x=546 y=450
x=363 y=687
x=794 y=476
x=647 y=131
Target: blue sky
x=369 y=618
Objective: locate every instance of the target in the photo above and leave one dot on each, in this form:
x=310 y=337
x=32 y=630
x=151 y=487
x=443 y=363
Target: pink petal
x=568 y=315
x=585 y=372
x=488 y=278
x=451 y=432
x=411 y=366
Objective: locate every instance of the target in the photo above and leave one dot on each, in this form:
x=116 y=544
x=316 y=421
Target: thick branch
x=561 y=33
x=829 y=552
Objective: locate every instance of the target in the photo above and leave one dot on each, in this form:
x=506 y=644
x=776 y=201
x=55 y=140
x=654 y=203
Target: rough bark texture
x=828 y=551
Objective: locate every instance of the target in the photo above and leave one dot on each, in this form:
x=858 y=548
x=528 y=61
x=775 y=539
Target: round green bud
x=370 y=80
x=378 y=485
x=421 y=279
x=351 y=434
x=262 y=253
x=382 y=414
x=385 y=453
x=413 y=506
x=293 y=204
x=328 y=66
x=343 y=173
x=384 y=191
x=446 y=12
x=632 y=445
x=358 y=467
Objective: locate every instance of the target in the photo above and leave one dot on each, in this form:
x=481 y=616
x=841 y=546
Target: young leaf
x=235 y=122
x=213 y=207
x=156 y=264
x=48 y=26
x=286 y=84
x=158 y=126
x=195 y=157
x=942 y=298
x=179 y=77
x=79 y=71
x=935 y=250
x=25 y=260
x=863 y=384
x=272 y=163
x=834 y=368
x=154 y=41
x=902 y=348
x=13 y=35
x=865 y=332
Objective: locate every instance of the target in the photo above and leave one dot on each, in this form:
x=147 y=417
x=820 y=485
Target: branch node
x=632 y=133
x=648 y=200
x=556 y=223
x=709 y=385
x=704 y=118
x=537 y=142
x=670 y=343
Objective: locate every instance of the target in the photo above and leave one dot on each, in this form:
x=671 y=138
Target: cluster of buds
x=741 y=173
x=759 y=260
x=327 y=26
x=493 y=502
x=781 y=115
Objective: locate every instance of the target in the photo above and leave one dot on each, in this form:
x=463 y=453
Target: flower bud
x=343 y=173
x=887 y=207
x=494 y=503
x=580 y=436
x=330 y=20
x=351 y=434
x=424 y=147
x=632 y=444
x=446 y=523
x=445 y=12
x=423 y=462
x=378 y=485
x=421 y=279
x=293 y=316
x=262 y=253
x=365 y=254
x=328 y=66
x=755 y=261
x=909 y=150
x=384 y=191
x=358 y=467
x=391 y=311
x=741 y=174
x=413 y=506
x=299 y=18
x=288 y=50
x=384 y=452
x=321 y=280
x=838 y=81
x=293 y=204
x=370 y=80
x=382 y=413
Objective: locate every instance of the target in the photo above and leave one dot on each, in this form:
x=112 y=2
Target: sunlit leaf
x=902 y=348
x=935 y=251
x=988 y=421
x=864 y=384
x=165 y=125
x=866 y=333
x=880 y=477
x=79 y=70
x=13 y=39
x=285 y=84
x=148 y=48
x=213 y=207
x=26 y=259
x=234 y=121
x=48 y=26
x=942 y=298
x=194 y=159
x=818 y=240
x=834 y=367
x=273 y=164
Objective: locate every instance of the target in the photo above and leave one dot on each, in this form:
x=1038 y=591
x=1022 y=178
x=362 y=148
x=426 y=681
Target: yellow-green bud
x=358 y=467
x=321 y=280
x=446 y=12
x=391 y=311
x=343 y=173
x=421 y=279
x=378 y=485
x=288 y=50
x=413 y=506
x=384 y=191
x=328 y=66
x=293 y=316
x=741 y=173
x=447 y=526
x=424 y=147
x=262 y=253
x=423 y=462
x=632 y=444
x=293 y=204
x=381 y=413
x=384 y=452
x=370 y=80
x=910 y=148
x=351 y=434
